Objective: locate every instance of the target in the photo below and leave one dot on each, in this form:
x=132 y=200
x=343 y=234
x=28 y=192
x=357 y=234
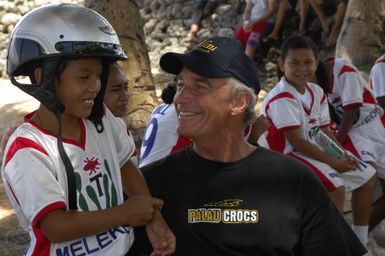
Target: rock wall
x=166 y=24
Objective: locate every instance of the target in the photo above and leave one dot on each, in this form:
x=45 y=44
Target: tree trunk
x=125 y=17
x=359 y=40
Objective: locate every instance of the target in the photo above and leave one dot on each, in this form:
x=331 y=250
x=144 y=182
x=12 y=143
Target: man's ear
x=37 y=75
x=239 y=103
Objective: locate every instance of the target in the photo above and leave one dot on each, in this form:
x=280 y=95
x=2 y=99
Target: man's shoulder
x=167 y=163
x=281 y=164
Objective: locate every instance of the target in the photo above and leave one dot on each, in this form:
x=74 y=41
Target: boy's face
x=299 y=66
x=78 y=86
x=116 y=97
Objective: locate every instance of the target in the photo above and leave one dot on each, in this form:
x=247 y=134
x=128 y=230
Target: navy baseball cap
x=216 y=57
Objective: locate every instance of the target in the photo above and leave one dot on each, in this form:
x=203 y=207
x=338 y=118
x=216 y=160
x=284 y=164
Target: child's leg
x=254 y=40
x=282 y=8
x=195 y=21
x=338 y=198
x=324 y=20
x=361 y=207
x=340 y=15
x=378 y=212
x=210 y=8
x=303 y=12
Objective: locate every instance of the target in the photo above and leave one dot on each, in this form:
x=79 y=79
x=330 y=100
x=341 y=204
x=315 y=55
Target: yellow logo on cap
x=207 y=46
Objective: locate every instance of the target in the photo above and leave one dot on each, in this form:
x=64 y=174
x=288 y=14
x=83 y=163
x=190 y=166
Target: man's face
x=78 y=86
x=202 y=105
x=116 y=97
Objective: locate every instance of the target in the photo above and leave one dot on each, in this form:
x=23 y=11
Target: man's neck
x=223 y=150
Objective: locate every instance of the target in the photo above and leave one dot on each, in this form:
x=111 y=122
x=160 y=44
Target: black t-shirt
x=264 y=204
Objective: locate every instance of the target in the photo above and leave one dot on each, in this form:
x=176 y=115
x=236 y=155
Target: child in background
x=66 y=167
x=298 y=111
x=377 y=81
x=358 y=118
x=258 y=20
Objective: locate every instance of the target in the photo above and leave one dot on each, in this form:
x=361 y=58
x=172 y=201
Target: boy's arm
x=61 y=225
x=294 y=137
x=346 y=123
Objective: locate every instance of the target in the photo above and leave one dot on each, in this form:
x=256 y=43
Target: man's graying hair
x=236 y=88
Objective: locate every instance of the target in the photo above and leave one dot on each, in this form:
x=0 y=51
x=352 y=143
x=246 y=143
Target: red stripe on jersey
x=379 y=61
x=279 y=96
x=275 y=138
x=325 y=181
x=80 y=144
x=368 y=97
x=348 y=144
x=180 y=144
x=383 y=120
x=346 y=69
x=20 y=143
x=13 y=193
x=323 y=99
x=312 y=101
x=353 y=105
x=330 y=59
x=43 y=245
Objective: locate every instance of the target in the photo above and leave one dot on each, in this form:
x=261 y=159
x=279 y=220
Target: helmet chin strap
x=71 y=181
x=45 y=91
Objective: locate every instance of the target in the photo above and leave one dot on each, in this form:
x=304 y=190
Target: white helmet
x=52 y=33
x=61 y=30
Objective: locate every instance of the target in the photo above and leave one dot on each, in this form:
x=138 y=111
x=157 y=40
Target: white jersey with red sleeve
x=35 y=181
x=161 y=138
x=377 y=77
x=284 y=109
x=349 y=89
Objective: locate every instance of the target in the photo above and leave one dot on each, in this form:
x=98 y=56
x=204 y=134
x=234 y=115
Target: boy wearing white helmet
x=66 y=167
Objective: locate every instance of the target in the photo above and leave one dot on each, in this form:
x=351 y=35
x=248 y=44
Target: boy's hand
x=139 y=210
x=345 y=164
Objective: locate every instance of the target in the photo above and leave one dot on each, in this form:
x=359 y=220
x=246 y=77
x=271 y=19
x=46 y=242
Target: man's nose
x=182 y=95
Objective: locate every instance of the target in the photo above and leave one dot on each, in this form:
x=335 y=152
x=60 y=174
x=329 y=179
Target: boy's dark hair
x=169 y=92
x=298 y=42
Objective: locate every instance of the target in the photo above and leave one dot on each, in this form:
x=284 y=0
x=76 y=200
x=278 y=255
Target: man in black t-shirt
x=224 y=196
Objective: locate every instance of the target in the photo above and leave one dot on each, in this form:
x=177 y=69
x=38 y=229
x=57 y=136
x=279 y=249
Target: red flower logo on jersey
x=91 y=165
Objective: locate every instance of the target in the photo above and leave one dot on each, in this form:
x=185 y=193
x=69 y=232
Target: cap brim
x=173 y=63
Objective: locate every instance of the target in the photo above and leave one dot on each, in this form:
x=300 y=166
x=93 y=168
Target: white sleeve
x=325 y=115
x=377 y=76
x=160 y=135
x=31 y=184
x=351 y=89
x=125 y=145
x=285 y=113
